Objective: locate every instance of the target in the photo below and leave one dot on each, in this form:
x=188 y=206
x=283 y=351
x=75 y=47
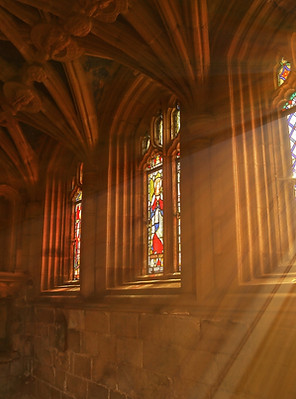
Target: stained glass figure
x=155 y=216
x=283 y=72
x=145 y=143
x=291 y=119
x=175 y=122
x=178 y=174
x=77 y=233
x=158 y=130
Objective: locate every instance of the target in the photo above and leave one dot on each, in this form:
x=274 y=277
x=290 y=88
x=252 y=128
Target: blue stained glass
x=283 y=72
x=291 y=119
x=291 y=103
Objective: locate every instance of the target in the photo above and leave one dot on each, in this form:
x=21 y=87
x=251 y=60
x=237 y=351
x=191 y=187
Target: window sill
x=147 y=285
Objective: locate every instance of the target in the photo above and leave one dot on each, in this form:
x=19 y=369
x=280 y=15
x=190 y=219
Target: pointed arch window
x=162 y=195
x=283 y=71
x=77 y=214
x=155 y=215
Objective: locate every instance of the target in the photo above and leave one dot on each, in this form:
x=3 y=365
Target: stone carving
x=104 y=10
x=33 y=73
x=57 y=40
x=78 y=25
x=55 y=43
x=21 y=97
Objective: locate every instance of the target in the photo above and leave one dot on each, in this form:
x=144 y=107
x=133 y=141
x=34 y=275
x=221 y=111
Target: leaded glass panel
x=283 y=72
x=178 y=174
x=77 y=234
x=145 y=143
x=291 y=119
x=176 y=122
x=158 y=130
x=155 y=216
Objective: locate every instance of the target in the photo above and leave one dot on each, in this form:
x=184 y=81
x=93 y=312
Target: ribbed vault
x=80 y=71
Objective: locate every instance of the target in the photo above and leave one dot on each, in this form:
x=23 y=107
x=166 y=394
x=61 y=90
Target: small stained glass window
x=158 y=130
x=283 y=71
x=77 y=233
x=175 y=122
x=178 y=200
x=155 y=215
x=145 y=143
x=291 y=103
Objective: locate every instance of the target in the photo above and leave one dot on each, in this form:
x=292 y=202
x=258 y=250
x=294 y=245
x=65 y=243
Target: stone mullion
x=168 y=267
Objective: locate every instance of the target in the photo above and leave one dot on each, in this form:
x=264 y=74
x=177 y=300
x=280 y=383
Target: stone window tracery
x=162 y=195
x=77 y=215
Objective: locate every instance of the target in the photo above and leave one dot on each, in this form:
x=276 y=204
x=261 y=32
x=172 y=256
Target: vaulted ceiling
x=74 y=72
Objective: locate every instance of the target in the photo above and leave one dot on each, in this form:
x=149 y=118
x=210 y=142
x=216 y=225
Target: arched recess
x=265 y=228
x=10 y=224
x=125 y=230
x=57 y=254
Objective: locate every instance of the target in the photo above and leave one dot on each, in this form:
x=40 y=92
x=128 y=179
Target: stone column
x=196 y=206
x=94 y=226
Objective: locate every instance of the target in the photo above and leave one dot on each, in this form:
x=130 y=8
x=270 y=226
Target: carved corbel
x=78 y=24
x=33 y=73
x=55 y=43
x=21 y=97
x=103 y=10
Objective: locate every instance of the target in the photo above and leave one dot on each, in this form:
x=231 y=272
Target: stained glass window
x=77 y=234
x=163 y=196
x=155 y=215
x=176 y=122
x=283 y=71
x=291 y=119
x=178 y=201
x=158 y=130
x=291 y=103
x=145 y=143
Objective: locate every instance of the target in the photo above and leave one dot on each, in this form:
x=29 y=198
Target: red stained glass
x=155 y=218
x=283 y=71
x=77 y=234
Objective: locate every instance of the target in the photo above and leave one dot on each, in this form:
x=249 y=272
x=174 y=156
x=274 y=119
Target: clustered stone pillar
x=94 y=234
x=196 y=207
